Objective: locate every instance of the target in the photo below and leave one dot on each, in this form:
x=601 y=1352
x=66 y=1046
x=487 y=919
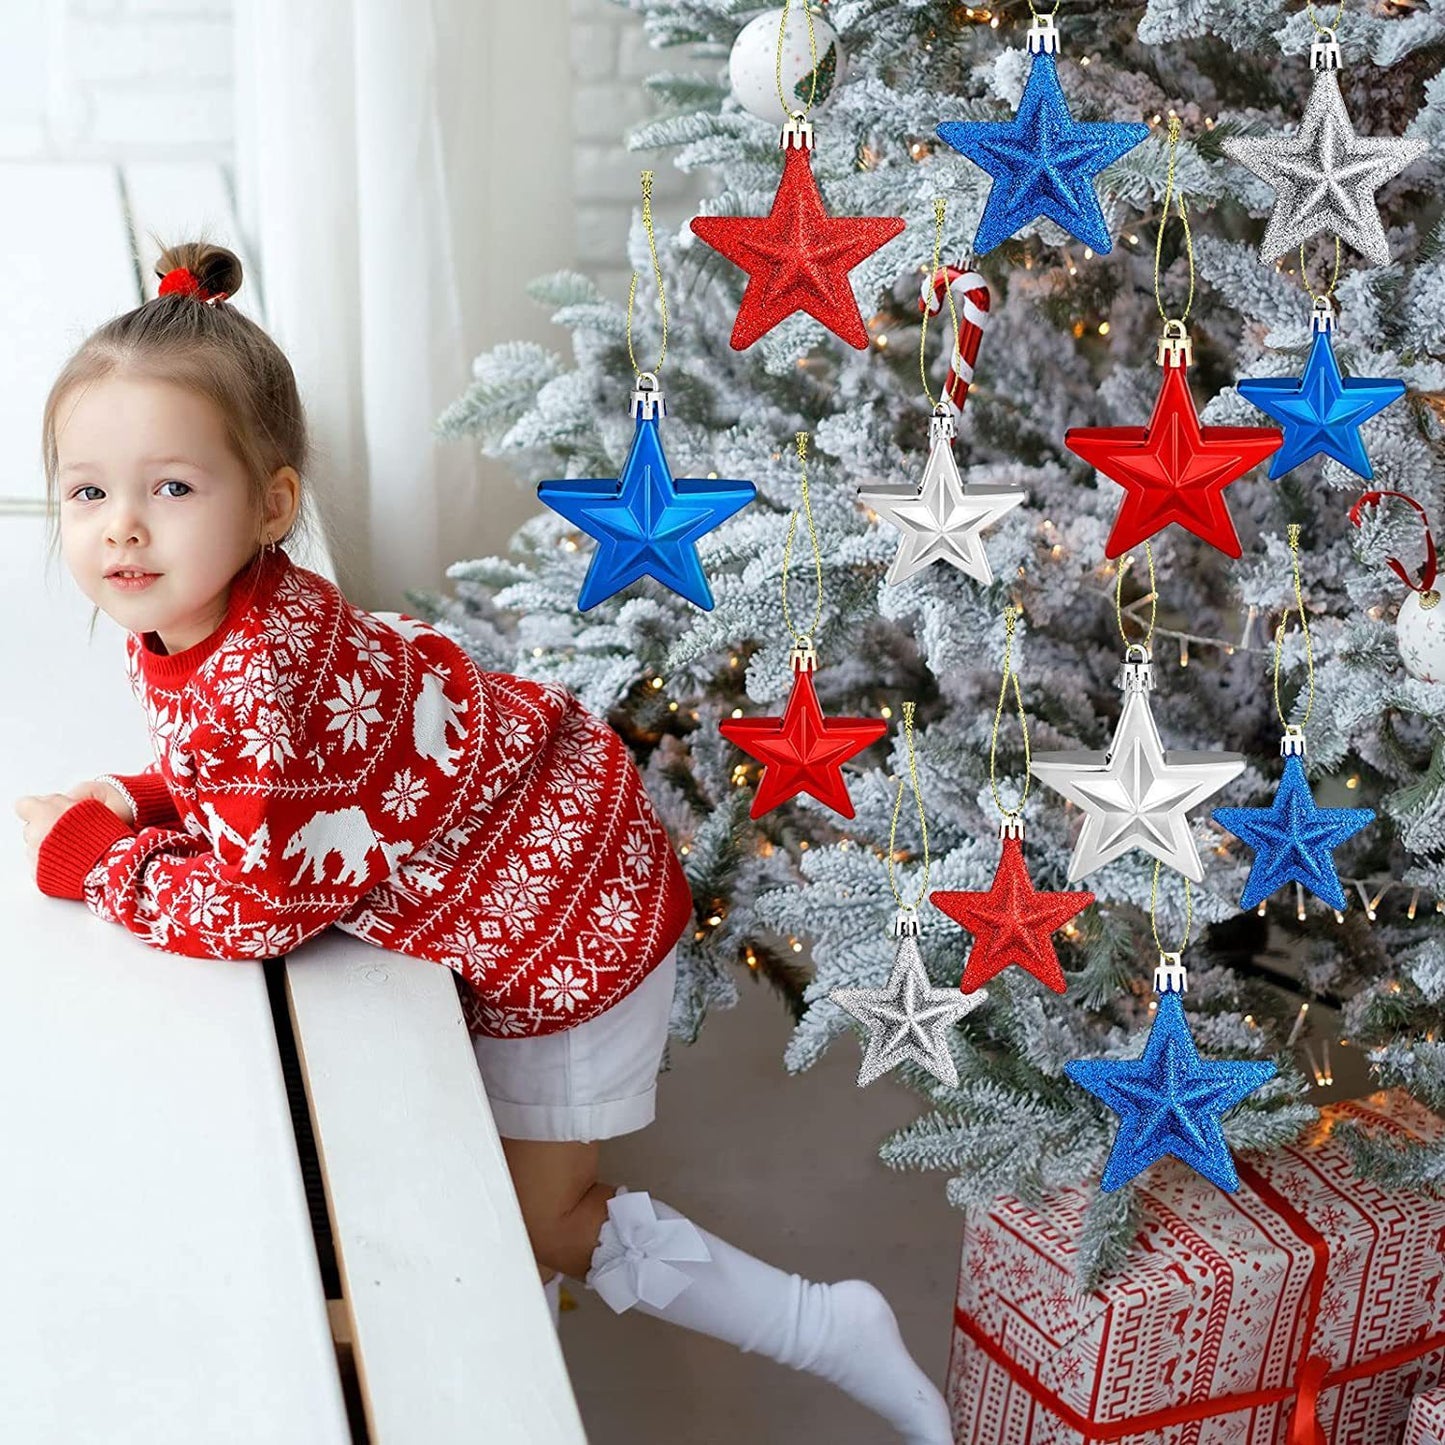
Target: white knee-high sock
x=651 y=1258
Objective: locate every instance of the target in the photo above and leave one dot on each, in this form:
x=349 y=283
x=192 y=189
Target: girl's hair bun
x=217 y=269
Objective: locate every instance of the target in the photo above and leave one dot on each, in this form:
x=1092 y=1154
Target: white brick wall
x=123 y=80
x=610 y=60
x=152 y=80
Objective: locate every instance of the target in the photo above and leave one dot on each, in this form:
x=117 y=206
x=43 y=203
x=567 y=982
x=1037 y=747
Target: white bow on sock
x=650 y=1257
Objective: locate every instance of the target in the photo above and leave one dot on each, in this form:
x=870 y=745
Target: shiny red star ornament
x=797 y=256
x=802 y=751
x=1174 y=469
x=1012 y=922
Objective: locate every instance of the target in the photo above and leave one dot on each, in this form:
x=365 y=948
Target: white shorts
x=593 y=1081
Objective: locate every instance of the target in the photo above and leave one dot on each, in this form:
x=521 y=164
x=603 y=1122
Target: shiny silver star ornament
x=1325 y=176
x=908 y=1020
x=1136 y=795
x=942 y=521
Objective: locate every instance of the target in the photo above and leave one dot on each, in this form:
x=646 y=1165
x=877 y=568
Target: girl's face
x=146 y=480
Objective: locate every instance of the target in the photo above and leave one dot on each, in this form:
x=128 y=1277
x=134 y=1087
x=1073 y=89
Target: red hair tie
x=184 y=281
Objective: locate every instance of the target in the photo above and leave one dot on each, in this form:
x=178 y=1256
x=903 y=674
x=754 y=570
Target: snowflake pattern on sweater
x=332 y=766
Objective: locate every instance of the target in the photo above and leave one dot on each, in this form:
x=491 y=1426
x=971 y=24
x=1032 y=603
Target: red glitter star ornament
x=797 y=256
x=1174 y=469
x=802 y=751
x=1012 y=922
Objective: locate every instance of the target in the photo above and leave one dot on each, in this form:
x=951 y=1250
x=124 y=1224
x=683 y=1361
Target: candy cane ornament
x=943 y=519
x=971 y=300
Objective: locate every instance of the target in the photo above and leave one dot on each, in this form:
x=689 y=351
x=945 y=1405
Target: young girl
x=318 y=765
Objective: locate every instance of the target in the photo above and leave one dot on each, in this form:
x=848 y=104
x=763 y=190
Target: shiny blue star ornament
x=1043 y=162
x=646 y=524
x=1169 y=1100
x=1321 y=413
x=1293 y=840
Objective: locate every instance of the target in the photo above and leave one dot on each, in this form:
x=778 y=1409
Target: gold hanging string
x=922 y=821
x=1289 y=727
x=656 y=271
x=1034 y=12
x=938 y=209
x=1169 y=197
x=800 y=638
x=1305 y=275
x=1011 y=616
x=813 y=55
x=1154 y=913
x=1334 y=24
x=1119 y=597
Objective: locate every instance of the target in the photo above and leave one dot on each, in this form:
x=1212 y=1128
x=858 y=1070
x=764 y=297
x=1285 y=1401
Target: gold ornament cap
x=1043 y=36
x=1175 y=347
x=1171 y=976
x=797 y=133
x=803 y=657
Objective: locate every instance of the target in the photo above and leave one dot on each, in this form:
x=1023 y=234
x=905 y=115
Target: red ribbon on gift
x=1312 y=1373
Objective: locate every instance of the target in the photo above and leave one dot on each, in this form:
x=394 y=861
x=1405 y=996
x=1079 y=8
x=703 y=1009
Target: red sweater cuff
x=154 y=806
x=78 y=841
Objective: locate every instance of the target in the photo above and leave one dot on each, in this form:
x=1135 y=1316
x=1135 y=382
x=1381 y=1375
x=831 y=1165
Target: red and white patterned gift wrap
x=1237 y=1318
x=1426 y=1425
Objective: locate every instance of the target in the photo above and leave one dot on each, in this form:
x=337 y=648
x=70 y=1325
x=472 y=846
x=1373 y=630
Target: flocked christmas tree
x=801 y=894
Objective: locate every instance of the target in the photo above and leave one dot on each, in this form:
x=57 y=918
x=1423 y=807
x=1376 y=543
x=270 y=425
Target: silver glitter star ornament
x=941 y=521
x=908 y=1020
x=1325 y=176
x=1136 y=795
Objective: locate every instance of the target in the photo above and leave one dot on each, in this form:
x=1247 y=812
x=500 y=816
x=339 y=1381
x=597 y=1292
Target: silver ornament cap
x=647 y=398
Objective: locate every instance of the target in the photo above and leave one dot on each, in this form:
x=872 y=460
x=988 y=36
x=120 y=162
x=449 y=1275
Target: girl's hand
x=103 y=793
x=40 y=814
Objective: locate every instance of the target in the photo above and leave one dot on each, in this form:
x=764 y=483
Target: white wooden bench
x=159 y=1265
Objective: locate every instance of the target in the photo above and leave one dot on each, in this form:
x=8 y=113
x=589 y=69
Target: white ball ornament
x=753 y=65
x=1420 y=631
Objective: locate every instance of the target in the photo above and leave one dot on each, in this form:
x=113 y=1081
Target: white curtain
x=403 y=167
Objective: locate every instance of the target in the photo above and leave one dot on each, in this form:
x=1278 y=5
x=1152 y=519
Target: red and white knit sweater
x=318 y=764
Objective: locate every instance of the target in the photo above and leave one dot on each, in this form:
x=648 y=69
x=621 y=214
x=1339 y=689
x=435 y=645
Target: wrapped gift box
x=1237 y=1319
x=1426 y=1425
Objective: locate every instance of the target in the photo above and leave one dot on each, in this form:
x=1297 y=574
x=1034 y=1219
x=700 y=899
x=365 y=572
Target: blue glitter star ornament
x=646 y=524
x=1293 y=840
x=1169 y=1100
x=1320 y=411
x=1043 y=162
